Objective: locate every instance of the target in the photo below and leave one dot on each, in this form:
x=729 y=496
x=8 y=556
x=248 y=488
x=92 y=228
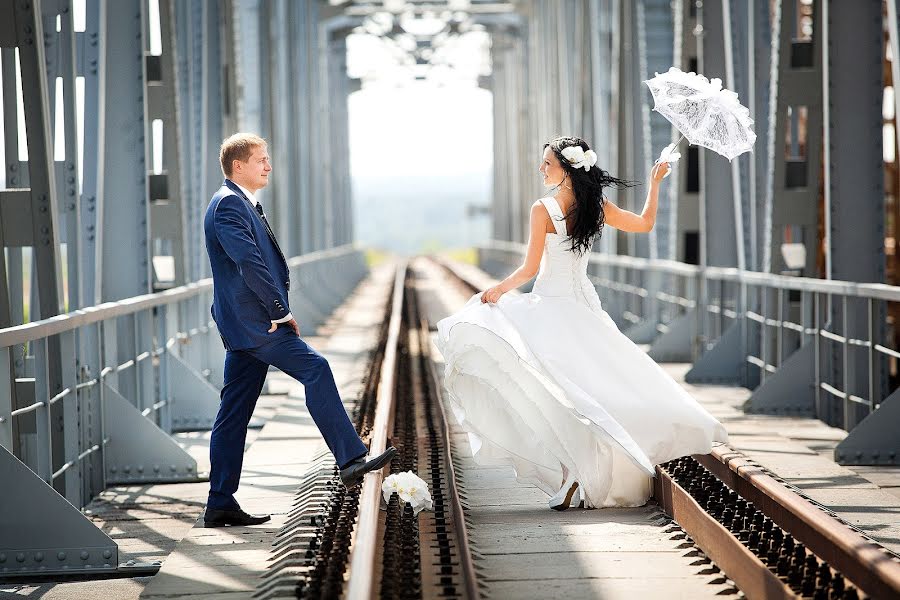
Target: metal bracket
x=42 y=532
x=874 y=440
x=195 y=401
x=721 y=364
x=676 y=344
x=790 y=390
x=138 y=450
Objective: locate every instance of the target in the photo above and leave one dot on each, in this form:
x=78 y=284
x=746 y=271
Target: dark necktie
x=262 y=215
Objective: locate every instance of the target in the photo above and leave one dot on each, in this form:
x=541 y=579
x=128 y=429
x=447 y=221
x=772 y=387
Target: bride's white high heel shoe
x=578 y=498
x=563 y=498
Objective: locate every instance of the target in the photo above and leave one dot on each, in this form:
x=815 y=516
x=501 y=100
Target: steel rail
x=466 y=563
x=870 y=566
x=363 y=569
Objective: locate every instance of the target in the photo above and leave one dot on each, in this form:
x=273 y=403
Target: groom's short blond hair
x=238 y=147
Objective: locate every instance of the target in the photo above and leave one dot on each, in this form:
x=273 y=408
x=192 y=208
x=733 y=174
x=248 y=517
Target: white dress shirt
x=255 y=203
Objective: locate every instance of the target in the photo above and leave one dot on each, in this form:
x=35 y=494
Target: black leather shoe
x=353 y=473
x=222 y=518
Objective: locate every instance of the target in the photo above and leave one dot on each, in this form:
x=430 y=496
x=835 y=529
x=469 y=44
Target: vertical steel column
x=300 y=102
x=126 y=266
x=611 y=59
x=719 y=245
x=792 y=186
x=685 y=180
x=305 y=94
x=43 y=202
x=92 y=66
x=208 y=61
x=29 y=36
x=854 y=181
x=60 y=54
x=658 y=50
x=505 y=218
x=759 y=66
x=187 y=42
x=279 y=194
x=126 y=252
x=168 y=207
x=11 y=293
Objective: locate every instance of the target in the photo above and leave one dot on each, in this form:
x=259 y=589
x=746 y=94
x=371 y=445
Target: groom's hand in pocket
x=293 y=324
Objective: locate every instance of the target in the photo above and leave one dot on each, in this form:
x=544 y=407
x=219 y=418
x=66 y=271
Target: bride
x=545 y=381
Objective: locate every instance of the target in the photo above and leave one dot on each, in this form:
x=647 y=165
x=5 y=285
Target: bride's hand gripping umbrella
x=704 y=112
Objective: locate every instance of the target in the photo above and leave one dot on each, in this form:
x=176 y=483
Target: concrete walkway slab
x=147 y=522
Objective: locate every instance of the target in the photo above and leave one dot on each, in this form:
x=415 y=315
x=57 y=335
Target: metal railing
x=806 y=346
x=66 y=380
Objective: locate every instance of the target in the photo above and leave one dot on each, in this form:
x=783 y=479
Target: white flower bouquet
x=410 y=489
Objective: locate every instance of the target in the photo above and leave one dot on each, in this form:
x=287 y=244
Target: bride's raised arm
x=626 y=220
x=540 y=218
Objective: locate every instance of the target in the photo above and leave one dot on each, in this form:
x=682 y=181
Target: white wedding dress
x=546 y=379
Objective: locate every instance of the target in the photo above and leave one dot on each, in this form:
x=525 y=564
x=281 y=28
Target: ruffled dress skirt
x=542 y=382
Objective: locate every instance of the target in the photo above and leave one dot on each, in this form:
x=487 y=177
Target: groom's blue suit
x=250 y=290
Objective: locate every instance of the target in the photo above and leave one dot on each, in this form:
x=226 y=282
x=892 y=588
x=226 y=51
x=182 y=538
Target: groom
x=250 y=308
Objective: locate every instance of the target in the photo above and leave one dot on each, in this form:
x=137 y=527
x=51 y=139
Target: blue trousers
x=245 y=373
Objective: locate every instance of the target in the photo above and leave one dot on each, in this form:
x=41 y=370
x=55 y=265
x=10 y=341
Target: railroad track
x=347 y=543
x=769 y=539
x=762 y=534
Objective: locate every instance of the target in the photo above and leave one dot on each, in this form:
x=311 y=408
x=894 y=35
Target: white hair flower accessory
x=579 y=158
x=410 y=489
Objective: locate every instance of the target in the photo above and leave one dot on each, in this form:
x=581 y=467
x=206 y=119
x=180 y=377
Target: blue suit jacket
x=250 y=274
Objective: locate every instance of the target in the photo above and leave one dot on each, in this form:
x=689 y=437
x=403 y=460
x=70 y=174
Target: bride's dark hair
x=588 y=188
